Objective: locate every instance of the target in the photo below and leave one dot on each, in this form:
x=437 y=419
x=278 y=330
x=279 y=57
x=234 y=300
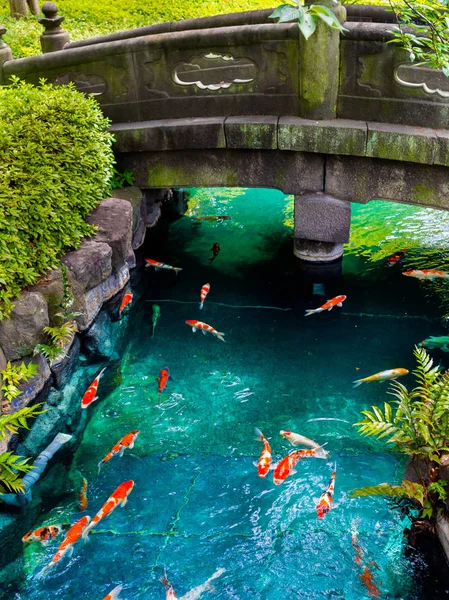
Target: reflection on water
x=198 y=504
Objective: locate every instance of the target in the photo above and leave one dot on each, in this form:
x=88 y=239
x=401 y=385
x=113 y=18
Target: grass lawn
x=87 y=18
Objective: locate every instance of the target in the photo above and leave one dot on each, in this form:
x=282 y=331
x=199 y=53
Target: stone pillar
x=319 y=67
x=322 y=226
x=54 y=37
x=5 y=54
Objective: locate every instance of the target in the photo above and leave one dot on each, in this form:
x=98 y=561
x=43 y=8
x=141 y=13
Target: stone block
x=402 y=143
x=441 y=147
x=170 y=134
x=24 y=329
x=100 y=340
x=317 y=252
x=322 y=218
x=52 y=289
x=134 y=196
x=62 y=369
x=338 y=136
x=90 y=264
x=252 y=132
x=114 y=219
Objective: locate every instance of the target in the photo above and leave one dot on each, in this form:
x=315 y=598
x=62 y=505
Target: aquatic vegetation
x=13 y=375
x=418 y=427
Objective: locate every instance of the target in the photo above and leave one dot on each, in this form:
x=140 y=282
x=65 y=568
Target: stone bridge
x=238 y=100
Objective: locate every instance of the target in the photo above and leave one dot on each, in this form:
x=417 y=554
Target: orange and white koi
x=426 y=274
x=285 y=467
x=125 y=301
x=118 y=498
x=45 y=534
x=395 y=258
x=83 y=495
x=114 y=594
x=212 y=218
x=295 y=440
x=381 y=376
x=204 y=291
x=127 y=441
x=164 y=376
x=329 y=305
x=366 y=576
x=325 y=502
x=90 y=394
x=169 y=591
x=159 y=265
x=67 y=544
x=204 y=327
x=265 y=459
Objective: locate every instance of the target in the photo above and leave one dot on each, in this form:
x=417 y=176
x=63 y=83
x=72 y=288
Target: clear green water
x=198 y=504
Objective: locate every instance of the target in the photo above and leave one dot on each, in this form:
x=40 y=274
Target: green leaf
x=307 y=24
x=326 y=15
x=285 y=13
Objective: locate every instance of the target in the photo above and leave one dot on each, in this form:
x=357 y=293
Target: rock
x=114 y=218
x=134 y=196
x=20 y=334
x=153 y=215
x=63 y=369
x=99 y=341
x=90 y=265
x=51 y=288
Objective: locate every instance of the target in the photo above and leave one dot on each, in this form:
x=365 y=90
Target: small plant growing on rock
x=13 y=376
x=417 y=425
x=121 y=178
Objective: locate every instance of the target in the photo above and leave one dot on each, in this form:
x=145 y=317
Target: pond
x=198 y=504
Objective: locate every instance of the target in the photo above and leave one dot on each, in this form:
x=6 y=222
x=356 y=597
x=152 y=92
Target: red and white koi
x=204 y=327
x=169 y=591
x=395 y=259
x=286 y=466
x=83 y=496
x=127 y=441
x=327 y=497
x=295 y=440
x=45 y=534
x=329 y=305
x=160 y=265
x=118 y=498
x=381 y=376
x=366 y=577
x=426 y=274
x=90 y=394
x=114 y=594
x=67 y=544
x=204 y=291
x=265 y=459
x=127 y=298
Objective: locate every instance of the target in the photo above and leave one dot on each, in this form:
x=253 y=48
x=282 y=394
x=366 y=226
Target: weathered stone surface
x=338 y=136
x=255 y=133
x=90 y=264
x=99 y=341
x=24 y=330
x=134 y=196
x=397 y=142
x=62 y=369
x=317 y=252
x=322 y=218
x=153 y=215
x=442 y=147
x=114 y=220
x=51 y=288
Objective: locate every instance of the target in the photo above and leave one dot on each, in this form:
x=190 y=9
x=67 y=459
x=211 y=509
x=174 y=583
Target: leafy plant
x=416 y=425
x=56 y=159
x=307 y=16
x=423 y=31
x=59 y=336
x=13 y=376
x=12 y=467
x=121 y=178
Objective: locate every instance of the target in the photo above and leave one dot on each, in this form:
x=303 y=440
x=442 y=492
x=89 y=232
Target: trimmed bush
x=55 y=163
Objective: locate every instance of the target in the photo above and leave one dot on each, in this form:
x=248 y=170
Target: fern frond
x=13 y=422
x=407 y=489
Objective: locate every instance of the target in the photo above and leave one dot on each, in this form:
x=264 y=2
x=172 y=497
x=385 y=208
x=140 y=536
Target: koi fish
x=125 y=301
x=204 y=291
x=114 y=594
x=83 y=496
x=164 y=376
x=325 y=502
x=44 y=534
x=156 y=315
x=426 y=274
x=159 y=265
x=169 y=591
x=395 y=258
x=212 y=218
x=67 y=544
x=207 y=586
x=118 y=498
x=329 y=305
x=432 y=342
x=366 y=576
x=265 y=459
x=215 y=250
x=90 y=396
x=285 y=467
x=381 y=376
x=204 y=327
x=127 y=441
x=295 y=440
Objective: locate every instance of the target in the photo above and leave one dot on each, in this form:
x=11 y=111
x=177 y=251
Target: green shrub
x=56 y=161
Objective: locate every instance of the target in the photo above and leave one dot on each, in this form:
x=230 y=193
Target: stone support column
x=322 y=226
x=319 y=67
x=54 y=37
x=5 y=54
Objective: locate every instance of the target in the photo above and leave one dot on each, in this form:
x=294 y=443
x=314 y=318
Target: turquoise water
x=198 y=504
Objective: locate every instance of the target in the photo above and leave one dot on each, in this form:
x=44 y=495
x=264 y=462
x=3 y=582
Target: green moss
x=423 y=194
